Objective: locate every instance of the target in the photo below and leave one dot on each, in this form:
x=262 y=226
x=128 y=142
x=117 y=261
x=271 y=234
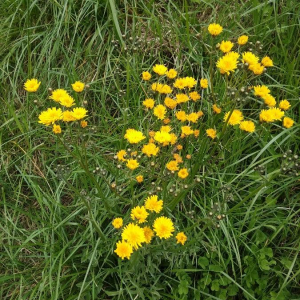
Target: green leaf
x=232 y=290
x=215 y=286
x=215 y=268
x=203 y=262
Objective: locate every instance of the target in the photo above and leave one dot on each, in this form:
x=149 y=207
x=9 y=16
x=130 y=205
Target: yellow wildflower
x=58 y=94
x=149 y=103
x=150 y=149
x=32 y=85
x=288 y=122
x=261 y=90
x=121 y=154
x=204 y=83
x=227 y=63
x=172 y=165
x=83 y=123
x=170 y=103
x=257 y=69
x=162 y=137
x=79 y=113
x=250 y=58
x=215 y=29
x=146 y=76
x=132 y=164
x=123 y=249
x=269 y=100
x=212 y=133
x=117 y=223
x=248 y=126
x=171 y=73
x=192 y=117
x=186 y=130
x=139 y=178
x=160 y=69
x=180 y=83
x=163 y=227
x=181 y=238
x=160 y=111
x=194 y=96
x=181 y=115
x=183 y=173
x=148 y=232
x=267 y=62
x=134 y=235
x=216 y=109
x=242 y=40
x=50 y=116
x=78 y=86
x=182 y=98
x=284 y=105
x=235 y=118
x=67 y=100
x=139 y=213
x=226 y=46
x=56 y=129
x=134 y=136
x=153 y=204
x=68 y=116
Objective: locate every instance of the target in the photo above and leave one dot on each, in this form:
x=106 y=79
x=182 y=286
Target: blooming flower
x=267 y=62
x=216 y=109
x=32 y=85
x=121 y=154
x=190 y=82
x=67 y=100
x=79 y=113
x=123 y=249
x=180 y=83
x=177 y=157
x=134 y=136
x=117 y=223
x=163 y=227
x=204 y=83
x=242 y=40
x=227 y=63
x=271 y=115
x=261 y=90
x=50 y=116
x=181 y=238
x=250 y=58
x=160 y=111
x=194 y=96
x=235 y=118
x=148 y=232
x=171 y=73
x=78 y=86
x=139 y=178
x=58 y=94
x=153 y=204
x=83 y=123
x=288 y=122
x=284 y=105
x=257 y=69
x=215 y=29
x=192 y=117
x=162 y=137
x=149 y=103
x=170 y=103
x=68 y=116
x=139 y=213
x=56 y=129
x=134 y=235
x=182 y=98
x=269 y=100
x=146 y=76
x=150 y=149
x=183 y=173
x=226 y=46
x=212 y=133
x=181 y=115
x=172 y=165
x=160 y=69
x=186 y=130
x=248 y=126
x=132 y=164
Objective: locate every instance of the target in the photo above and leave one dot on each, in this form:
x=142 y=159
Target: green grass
x=56 y=238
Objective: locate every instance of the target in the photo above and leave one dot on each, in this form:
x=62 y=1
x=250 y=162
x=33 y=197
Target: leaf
x=222 y=294
x=260 y=237
x=215 y=286
x=232 y=290
x=264 y=264
x=215 y=268
x=203 y=262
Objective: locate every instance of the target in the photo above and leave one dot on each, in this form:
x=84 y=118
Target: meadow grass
x=57 y=241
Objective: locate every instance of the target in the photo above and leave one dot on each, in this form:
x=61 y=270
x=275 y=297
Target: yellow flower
x=123 y=249
x=148 y=232
x=194 y=96
x=190 y=82
x=192 y=117
x=235 y=118
x=117 y=223
x=121 y=154
x=216 y=109
x=215 y=29
x=132 y=164
x=83 y=124
x=146 y=76
x=66 y=101
x=165 y=128
x=170 y=103
x=186 y=130
x=248 y=126
x=50 y=116
x=139 y=213
x=179 y=147
x=196 y=132
x=212 y=133
x=58 y=94
x=139 y=178
x=133 y=136
x=163 y=227
x=226 y=46
x=134 y=235
x=160 y=111
x=173 y=139
x=288 y=122
x=276 y=113
x=270 y=115
x=160 y=69
x=183 y=173
x=227 y=63
x=181 y=238
x=249 y=58
x=242 y=40
x=177 y=157
x=79 y=113
x=172 y=165
x=171 y=73
x=162 y=137
x=149 y=103
x=269 y=100
x=257 y=69
x=180 y=83
x=32 y=85
x=284 y=105
x=56 y=129
x=188 y=156
x=153 y=204
x=267 y=62
x=150 y=149
x=204 y=83
x=156 y=86
x=68 y=116
x=261 y=90
x=182 y=98
x=200 y=113
x=78 y=86
x=181 y=115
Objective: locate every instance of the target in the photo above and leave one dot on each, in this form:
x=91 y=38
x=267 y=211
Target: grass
x=57 y=241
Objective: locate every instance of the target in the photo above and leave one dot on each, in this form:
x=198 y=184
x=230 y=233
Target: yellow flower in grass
x=248 y=126
x=153 y=204
x=165 y=128
x=277 y=113
x=79 y=113
x=117 y=223
x=156 y=86
x=182 y=98
x=149 y=103
x=123 y=249
x=150 y=149
x=139 y=213
x=179 y=147
x=139 y=178
x=284 y=105
x=269 y=100
x=261 y=91
x=216 y=109
x=257 y=69
x=50 y=116
x=121 y=154
x=67 y=101
x=32 y=85
x=165 y=89
x=186 y=130
x=215 y=29
x=227 y=63
x=160 y=69
x=183 y=173
x=249 y=58
x=58 y=94
x=242 y=40
x=134 y=136
x=68 y=116
x=132 y=164
x=226 y=46
x=163 y=227
x=194 y=96
x=212 y=133
x=172 y=165
x=160 y=111
x=192 y=117
x=146 y=76
x=170 y=103
x=56 y=129
x=236 y=117
x=181 y=115
x=83 y=124
x=181 y=238
x=196 y=132
x=267 y=62
x=200 y=113
x=177 y=157
x=180 y=83
x=78 y=86
x=148 y=232
x=162 y=137
x=204 y=83
x=190 y=82
x=271 y=115
x=287 y=122
x=171 y=73
x=173 y=139
x=134 y=235
x=166 y=121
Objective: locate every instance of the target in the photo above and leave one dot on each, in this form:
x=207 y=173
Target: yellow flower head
x=150 y=149
x=186 y=130
x=68 y=116
x=153 y=204
x=172 y=165
x=178 y=158
x=204 y=83
x=160 y=69
x=171 y=73
x=226 y=46
x=163 y=227
x=271 y=115
x=242 y=40
x=261 y=90
x=58 y=94
x=267 y=62
x=216 y=109
x=227 y=63
x=194 y=96
x=248 y=126
x=79 y=113
x=139 y=178
x=212 y=133
x=123 y=249
x=83 y=123
x=164 y=89
x=134 y=136
x=117 y=223
x=162 y=137
x=249 y=58
x=132 y=164
x=56 y=129
x=156 y=86
x=146 y=76
x=170 y=103
x=121 y=154
x=67 y=101
x=139 y=213
x=192 y=117
x=50 y=116
x=190 y=82
x=180 y=83
x=269 y=100
x=276 y=113
x=181 y=238
x=182 y=98
x=235 y=118
x=32 y=85
x=183 y=173
x=288 y=122
x=173 y=139
x=78 y=86
x=160 y=111
x=257 y=69
x=149 y=103
x=181 y=115
x=148 y=232
x=196 y=132
x=134 y=235
x=284 y=105
x=215 y=29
